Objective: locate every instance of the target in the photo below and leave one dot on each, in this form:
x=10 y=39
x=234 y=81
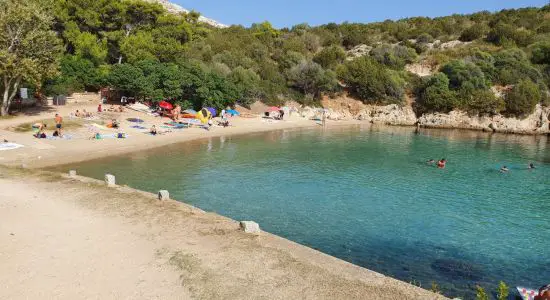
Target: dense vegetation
x=142 y=50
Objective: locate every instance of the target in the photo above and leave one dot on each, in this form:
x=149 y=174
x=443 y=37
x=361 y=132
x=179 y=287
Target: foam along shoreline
x=90 y=240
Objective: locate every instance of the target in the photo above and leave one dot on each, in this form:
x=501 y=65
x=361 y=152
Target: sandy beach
x=39 y=153
x=75 y=238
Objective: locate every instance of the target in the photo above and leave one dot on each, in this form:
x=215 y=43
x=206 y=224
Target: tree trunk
x=5 y=103
x=7 y=96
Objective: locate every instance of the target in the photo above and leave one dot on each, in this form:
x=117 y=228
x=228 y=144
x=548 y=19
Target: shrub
x=481 y=294
x=371 y=82
x=523 y=98
x=331 y=56
x=435 y=95
x=463 y=74
x=472 y=33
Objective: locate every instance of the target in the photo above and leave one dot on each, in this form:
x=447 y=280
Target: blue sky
x=285 y=13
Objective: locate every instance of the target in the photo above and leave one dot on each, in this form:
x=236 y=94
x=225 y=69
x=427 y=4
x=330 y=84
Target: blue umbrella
x=233 y=112
x=212 y=111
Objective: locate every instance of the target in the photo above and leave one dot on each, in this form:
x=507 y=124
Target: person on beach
x=58 y=123
x=153 y=130
x=324 y=117
x=99 y=108
x=504 y=169
x=442 y=163
x=544 y=293
x=57 y=133
x=78 y=114
x=96 y=136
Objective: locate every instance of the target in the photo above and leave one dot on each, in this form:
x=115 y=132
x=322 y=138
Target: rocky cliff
x=174 y=8
x=345 y=108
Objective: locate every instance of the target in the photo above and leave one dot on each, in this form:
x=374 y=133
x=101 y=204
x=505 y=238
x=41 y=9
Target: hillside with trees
x=144 y=51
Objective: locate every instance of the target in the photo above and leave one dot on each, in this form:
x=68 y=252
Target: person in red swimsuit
x=441 y=164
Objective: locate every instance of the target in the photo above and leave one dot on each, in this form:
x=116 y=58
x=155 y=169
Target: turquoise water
x=366 y=195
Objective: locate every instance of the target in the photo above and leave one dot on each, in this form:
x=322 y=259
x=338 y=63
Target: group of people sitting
x=40 y=128
x=82 y=114
x=120 y=109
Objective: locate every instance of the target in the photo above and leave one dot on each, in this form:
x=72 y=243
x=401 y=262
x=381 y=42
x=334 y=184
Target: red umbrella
x=166 y=105
x=273 y=108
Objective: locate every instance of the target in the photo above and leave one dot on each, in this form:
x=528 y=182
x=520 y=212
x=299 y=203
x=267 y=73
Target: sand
x=44 y=153
x=75 y=238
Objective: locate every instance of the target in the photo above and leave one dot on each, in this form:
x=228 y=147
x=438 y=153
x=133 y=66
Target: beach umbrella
x=165 y=105
x=273 y=108
x=212 y=111
x=190 y=111
x=233 y=112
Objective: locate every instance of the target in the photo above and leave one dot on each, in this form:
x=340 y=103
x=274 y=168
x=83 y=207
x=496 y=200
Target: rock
x=535 y=123
x=72 y=173
x=164 y=195
x=421 y=70
x=389 y=115
x=250 y=227
x=110 y=180
x=358 y=51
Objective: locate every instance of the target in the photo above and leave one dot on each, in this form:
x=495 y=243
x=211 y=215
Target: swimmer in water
x=531 y=166
x=442 y=163
x=504 y=169
x=430 y=162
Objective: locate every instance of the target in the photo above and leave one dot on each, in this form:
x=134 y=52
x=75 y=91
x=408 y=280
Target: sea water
x=366 y=195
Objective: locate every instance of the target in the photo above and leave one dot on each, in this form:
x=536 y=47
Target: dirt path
x=65 y=239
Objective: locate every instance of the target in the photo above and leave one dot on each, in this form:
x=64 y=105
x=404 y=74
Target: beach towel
x=99 y=126
x=64 y=137
x=135 y=120
x=138 y=127
x=526 y=293
x=9 y=146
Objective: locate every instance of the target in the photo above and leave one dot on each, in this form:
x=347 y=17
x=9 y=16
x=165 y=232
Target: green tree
x=371 y=82
x=523 y=98
x=435 y=95
x=540 y=53
x=247 y=83
x=311 y=78
x=29 y=49
x=129 y=79
x=472 y=33
x=481 y=102
x=330 y=57
x=464 y=74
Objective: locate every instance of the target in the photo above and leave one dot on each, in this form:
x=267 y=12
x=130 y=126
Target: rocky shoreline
x=347 y=109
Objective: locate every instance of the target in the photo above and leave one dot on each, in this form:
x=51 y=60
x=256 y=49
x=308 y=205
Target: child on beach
x=153 y=130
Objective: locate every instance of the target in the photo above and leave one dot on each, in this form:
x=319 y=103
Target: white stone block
x=164 y=195
x=72 y=173
x=250 y=227
x=110 y=180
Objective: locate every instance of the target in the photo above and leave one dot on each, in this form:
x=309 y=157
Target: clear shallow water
x=365 y=195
